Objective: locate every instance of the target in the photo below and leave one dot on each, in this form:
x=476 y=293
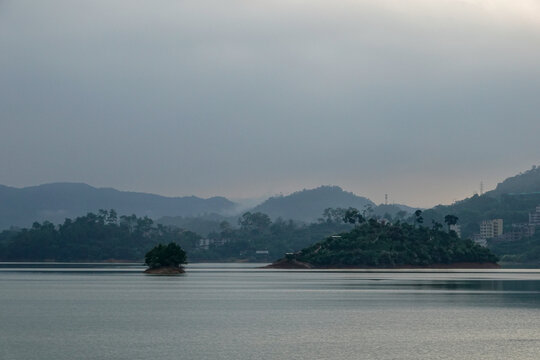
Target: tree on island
x=165 y=256
x=386 y=245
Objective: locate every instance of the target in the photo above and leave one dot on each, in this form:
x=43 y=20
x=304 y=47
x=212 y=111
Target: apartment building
x=491 y=228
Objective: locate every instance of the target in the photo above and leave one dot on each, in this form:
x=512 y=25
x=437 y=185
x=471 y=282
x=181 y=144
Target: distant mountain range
x=55 y=202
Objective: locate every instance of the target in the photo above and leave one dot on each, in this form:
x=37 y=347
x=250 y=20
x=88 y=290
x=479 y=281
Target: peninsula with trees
x=379 y=244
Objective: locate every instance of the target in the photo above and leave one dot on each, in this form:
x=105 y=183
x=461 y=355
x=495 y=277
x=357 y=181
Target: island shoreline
x=165 y=270
x=291 y=265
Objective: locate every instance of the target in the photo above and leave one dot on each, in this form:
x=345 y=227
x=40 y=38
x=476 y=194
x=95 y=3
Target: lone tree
x=165 y=256
x=450 y=220
x=419 y=219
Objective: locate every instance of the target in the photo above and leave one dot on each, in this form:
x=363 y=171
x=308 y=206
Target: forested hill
x=526 y=182
x=57 y=201
x=308 y=205
x=376 y=244
x=511 y=200
x=93 y=237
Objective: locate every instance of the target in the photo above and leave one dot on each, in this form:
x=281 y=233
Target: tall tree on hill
x=450 y=220
x=419 y=219
x=353 y=216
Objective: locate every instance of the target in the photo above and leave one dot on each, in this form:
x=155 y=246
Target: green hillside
x=523 y=183
x=471 y=211
x=392 y=245
x=512 y=200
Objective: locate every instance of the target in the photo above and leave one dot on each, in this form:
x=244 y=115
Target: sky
x=418 y=99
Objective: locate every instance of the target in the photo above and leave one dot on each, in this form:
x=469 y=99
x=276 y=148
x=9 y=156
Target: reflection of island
x=378 y=245
x=165 y=260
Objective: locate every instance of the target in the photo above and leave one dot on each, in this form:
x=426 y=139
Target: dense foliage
x=511 y=201
x=524 y=251
x=165 y=255
x=511 y=208
x=94 y=237
x=105 y=236
x=256 y=234
x=382 y=244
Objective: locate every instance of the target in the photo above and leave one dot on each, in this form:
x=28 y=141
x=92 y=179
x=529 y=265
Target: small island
x=375 y=244
x=165 y=260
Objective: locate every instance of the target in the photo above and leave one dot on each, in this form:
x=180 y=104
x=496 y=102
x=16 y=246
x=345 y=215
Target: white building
x=204 y=243
x=491 y=228
x=534 y=217
x=520 y=231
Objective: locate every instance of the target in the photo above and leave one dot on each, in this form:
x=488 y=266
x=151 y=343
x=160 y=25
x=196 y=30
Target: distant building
x=534 y=217
x=204 y=243
x=520 y=231
x=221 y=241
x=491 y=228
x=456 y=228
x=477 y=238
x=262 y=254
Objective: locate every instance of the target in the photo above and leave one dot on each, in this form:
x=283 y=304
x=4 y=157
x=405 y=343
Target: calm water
x=237 y=312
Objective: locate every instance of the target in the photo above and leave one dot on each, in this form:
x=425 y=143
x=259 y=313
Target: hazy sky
x=420 y=99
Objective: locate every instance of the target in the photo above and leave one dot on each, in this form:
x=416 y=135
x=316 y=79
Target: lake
x=239 y=312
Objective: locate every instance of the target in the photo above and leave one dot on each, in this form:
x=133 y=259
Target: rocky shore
x=165 y=270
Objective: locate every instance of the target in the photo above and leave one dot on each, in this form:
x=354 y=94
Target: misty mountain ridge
x=56 y=201
x=308 y=205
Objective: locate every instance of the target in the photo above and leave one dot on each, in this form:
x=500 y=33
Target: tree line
x=106 y=236
x=93 y=237
x=378 y=243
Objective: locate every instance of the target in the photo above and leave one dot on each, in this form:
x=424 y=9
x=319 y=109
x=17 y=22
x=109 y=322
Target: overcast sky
x=420 y=99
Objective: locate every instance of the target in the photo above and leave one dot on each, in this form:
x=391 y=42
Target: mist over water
x=230 y=311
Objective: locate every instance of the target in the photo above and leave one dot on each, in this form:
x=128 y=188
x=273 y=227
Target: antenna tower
x=385 y=199
x=481 y=188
